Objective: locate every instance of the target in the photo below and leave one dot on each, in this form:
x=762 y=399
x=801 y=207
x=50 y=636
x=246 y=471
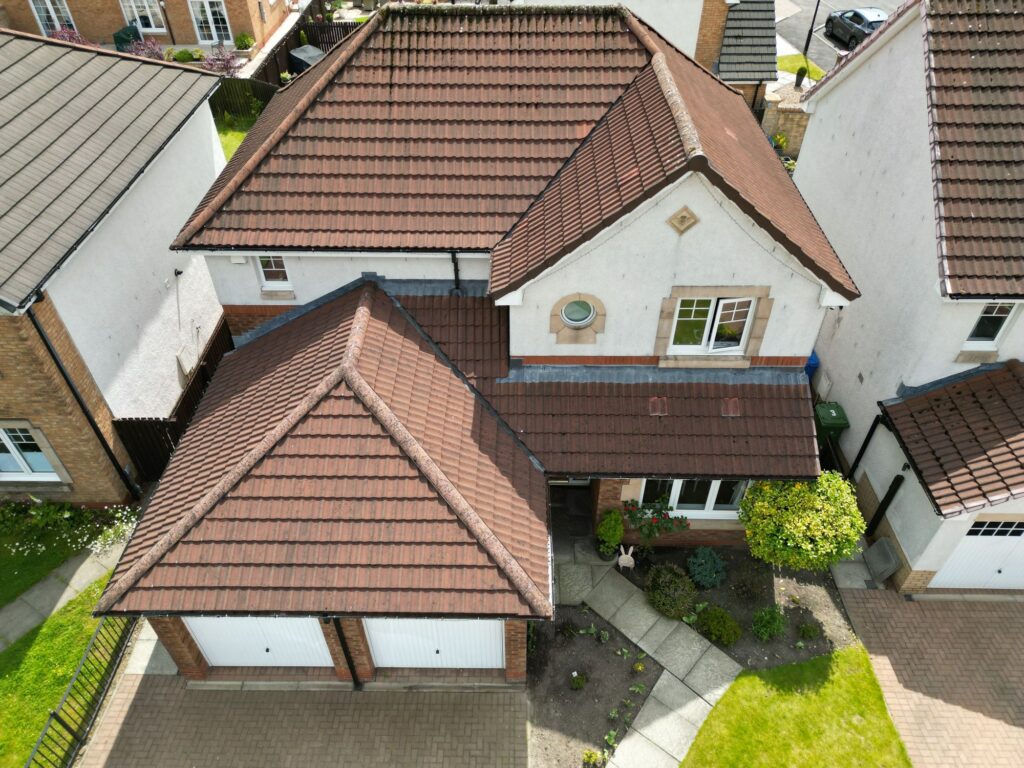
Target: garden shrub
x=577 y=681
x=32 y=524
x=244 y=41
x=184 y=56
x=809 y=631
x=802 y=525
x=718 y=626
x=769 y=622
x=670 y=591
x=706 y=568
x=610 y=531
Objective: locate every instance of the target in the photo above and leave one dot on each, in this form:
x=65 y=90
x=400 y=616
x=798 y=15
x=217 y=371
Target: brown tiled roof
x=675 y=117
x=974 y=66
x=966 y=439
x=339 y=465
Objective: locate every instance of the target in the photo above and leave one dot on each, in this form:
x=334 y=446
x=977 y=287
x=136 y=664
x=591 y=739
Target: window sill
x=976 y=356
x=277 y=293
x=703 y=361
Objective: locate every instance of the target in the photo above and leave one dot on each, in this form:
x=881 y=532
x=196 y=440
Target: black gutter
x=457 y=290
x=884 y=504
x=133 y=489
x=864 y=446
x=357 y=684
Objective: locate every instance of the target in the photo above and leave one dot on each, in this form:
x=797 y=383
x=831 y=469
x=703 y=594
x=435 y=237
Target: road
x=824 y=51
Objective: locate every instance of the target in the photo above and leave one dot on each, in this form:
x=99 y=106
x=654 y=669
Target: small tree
x=69 y=35
x=802 y=525
x=147 y=49
x=223 y=62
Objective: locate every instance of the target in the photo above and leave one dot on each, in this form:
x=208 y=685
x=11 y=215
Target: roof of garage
x=339 y=464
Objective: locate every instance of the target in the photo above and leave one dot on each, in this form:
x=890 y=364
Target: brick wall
x=515 y=651
x=178 y=642
x=783 y=114
x=711 y=32
x=337 y=652
x=359 y=649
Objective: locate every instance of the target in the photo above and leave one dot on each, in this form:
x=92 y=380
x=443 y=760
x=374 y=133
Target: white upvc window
x=709 y=326
x=990 y=325
x=23 y=458
x=210 y=18
x=52 y=15
x=697 y=498
x=273 y=274
x=144 y=15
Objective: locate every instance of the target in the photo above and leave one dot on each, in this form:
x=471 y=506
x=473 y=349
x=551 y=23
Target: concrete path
x=696 y=675
x=33 y=606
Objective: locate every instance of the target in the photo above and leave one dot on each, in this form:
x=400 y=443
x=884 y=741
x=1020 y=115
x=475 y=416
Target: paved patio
x=951 y=675
x=153 y=720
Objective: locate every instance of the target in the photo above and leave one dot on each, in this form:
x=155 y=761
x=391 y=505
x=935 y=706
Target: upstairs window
x=145 y=15
x=705 y=326
x=22 y=458
x=696 y=497
x=52 y=15
x=273 y=273
x=990 y=324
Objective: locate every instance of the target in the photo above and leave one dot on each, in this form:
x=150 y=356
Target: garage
x=436 y=643
x=260 y=641
x=990 y=556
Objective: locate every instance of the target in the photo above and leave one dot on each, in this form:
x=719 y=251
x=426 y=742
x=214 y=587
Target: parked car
x=851 y=27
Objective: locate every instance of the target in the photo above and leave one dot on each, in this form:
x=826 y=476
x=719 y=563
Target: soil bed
x=564 y=722
x=750 y=584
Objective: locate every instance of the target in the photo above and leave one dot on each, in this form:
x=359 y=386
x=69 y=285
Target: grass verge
x=793 y=61
x=232 y=130
x=796 y=715
x=21 y=571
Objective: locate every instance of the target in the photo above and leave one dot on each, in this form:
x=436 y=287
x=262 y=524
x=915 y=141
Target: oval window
x=578 y=313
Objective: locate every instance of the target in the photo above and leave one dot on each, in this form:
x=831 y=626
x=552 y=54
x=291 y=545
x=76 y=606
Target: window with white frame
x=144 y=15
x=989 y=325
x=52 y=15
x=703 y=326
x=22 y=457
x=696 y=497
x=273 y=273
x=211 y=21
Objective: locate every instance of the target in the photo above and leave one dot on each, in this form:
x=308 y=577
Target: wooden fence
x=241 y=97
x=150 y=442
x=323 y=34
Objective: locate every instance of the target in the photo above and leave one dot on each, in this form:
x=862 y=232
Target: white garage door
x=990 y=556
x=437 y=643
x=260 y=641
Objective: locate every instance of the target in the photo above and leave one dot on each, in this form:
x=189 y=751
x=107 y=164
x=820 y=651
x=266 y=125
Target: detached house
x=912 y=164
x=471 y=256
x=101 y=158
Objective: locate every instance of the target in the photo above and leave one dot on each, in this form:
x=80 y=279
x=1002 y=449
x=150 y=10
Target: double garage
x=275 y=641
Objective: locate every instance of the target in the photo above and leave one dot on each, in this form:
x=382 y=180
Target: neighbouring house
x=168 y=22
x=472 y=257
x=103 y=158
x=912 y=165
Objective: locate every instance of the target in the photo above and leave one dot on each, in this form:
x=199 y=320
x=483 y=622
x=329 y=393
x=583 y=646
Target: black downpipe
x=884 y=504
x=356 y=682
x=864 y=446
x=133 y=489
x=457 y=290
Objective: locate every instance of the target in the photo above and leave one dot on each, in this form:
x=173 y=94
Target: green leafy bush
x=244 y=41
x=706 y=568
x=610 y=531
x=577 y=681
x=802 y=525
x=670 y=591
x=718 y=626
x=32 y=524
x=184 y=56
x=809 y=630
x=592 y=758
x=769 y=623
x=652 y=519
x=303 y=37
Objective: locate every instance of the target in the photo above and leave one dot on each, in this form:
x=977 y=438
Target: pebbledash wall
x=130 y=315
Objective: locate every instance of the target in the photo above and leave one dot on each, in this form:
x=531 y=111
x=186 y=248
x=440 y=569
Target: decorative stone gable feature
x=683 y=219
x=565 y=333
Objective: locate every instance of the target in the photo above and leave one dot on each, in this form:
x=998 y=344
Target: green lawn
x=828 y=710
x=232 y=130
x=35 y=671
x=22 y=571
x=793 y=61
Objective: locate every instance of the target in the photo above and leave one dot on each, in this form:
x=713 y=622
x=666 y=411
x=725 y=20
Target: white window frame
x=213 y=29
x=27 y=474
x=988 y=346
x=49 y=5
x=709 y=512
x=718 y=304
x=273 y=285
x=135 y=20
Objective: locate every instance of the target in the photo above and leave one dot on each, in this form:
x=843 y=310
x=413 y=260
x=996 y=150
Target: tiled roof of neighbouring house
x=77 y=127
x=974 y=66
x=966 y=438
x=339 y=464
x=436 y=129
x=748 y=45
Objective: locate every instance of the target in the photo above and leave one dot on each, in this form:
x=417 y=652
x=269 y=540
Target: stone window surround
x=567 y=335
x=666 y=321
x=63 y=478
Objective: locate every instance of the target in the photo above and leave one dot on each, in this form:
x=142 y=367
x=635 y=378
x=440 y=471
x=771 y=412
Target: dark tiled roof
x=966 y=438
x=674 y=117
x=748 y=45
x=77 y=127
x=339 y=465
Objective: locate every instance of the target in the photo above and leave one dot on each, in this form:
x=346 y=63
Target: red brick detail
x=711 y=32
x=795 y=362
x=334 y=646
x=359 y=649
x=178 y=641
x=725 y=537
x=515 y=651
x=607 y=495
x=242 y=318
x=588 y=360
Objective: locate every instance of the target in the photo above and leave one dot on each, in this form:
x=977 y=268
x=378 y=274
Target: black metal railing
x=68 y=725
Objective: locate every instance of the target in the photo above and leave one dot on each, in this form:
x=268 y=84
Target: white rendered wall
x=118 y=296
x=313 y=275
x=633 y=264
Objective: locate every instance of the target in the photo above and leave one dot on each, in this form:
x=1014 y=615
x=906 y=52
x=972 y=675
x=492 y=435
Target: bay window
x=711 y=325
x=696 y=497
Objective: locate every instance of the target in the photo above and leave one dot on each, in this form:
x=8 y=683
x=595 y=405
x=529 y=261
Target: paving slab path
x=696 y=674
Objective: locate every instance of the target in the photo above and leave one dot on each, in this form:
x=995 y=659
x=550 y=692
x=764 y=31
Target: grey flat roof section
x=748 y=45
x=77 y=127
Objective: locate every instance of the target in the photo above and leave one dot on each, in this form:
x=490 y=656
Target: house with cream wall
x=926 y=214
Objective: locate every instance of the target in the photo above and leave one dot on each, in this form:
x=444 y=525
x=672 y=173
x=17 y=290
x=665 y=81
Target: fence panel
x=236 y=95
x=323 y=34
x=68 y=725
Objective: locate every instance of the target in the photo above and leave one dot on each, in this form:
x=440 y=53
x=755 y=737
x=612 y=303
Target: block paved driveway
x=155 y=722
x=951 y=673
